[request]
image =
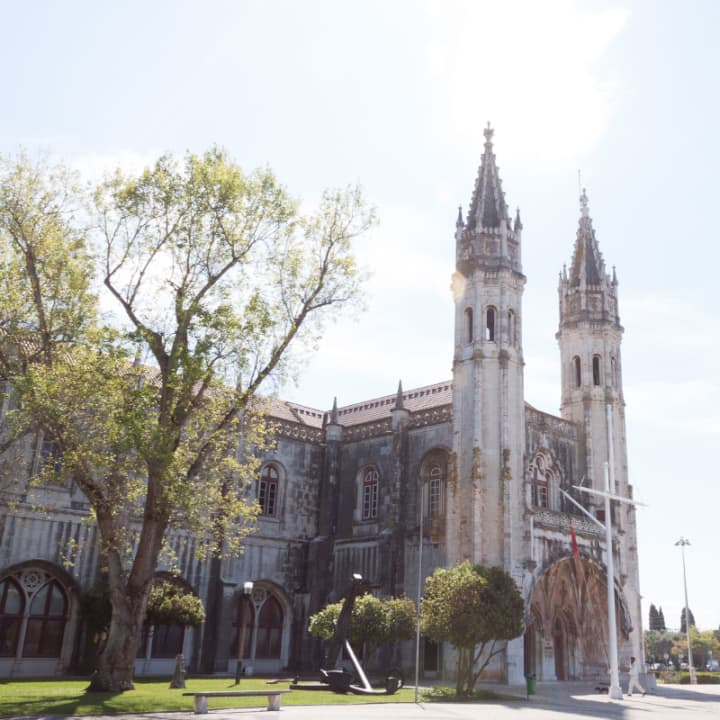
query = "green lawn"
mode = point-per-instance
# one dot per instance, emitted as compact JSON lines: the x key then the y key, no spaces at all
{"x":68,"y":697}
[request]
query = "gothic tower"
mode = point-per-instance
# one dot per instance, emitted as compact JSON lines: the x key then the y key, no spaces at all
{"x":484,"y":499}
{"x":590,"y":335}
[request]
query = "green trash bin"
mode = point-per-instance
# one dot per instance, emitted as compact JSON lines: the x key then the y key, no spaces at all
{"x":531,"y":683}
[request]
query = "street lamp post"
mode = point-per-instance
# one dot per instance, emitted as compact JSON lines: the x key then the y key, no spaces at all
{"x":419,"y":591}
{"x":682,"y":542}
{"x":244,"y":600}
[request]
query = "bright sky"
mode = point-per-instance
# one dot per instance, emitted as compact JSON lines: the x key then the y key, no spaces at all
{"x":394,"y":95}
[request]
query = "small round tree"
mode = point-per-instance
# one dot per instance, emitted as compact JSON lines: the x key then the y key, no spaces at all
{"x":373,"y":621}
{"x":474,"y":608}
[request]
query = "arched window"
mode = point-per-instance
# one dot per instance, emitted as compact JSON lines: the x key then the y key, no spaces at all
{"x":267,"y":493}
{"x":433,"y":481}
{"x":490,"y":324}
{"x":468,"y":325}
{"x":578,"y":372}
{"x":46,"y":622}
{"x":436,"y":490}
{"x":544,"y":477}
{"x":12,"y":607}
{"x":370,"y":486}
{"x":596,"y":370}
{"x":613,"y":371}
{"x":511,"y":327}
{"x":269,"y":629}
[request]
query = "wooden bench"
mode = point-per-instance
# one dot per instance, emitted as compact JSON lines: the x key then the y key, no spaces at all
{"x":201,"y":698}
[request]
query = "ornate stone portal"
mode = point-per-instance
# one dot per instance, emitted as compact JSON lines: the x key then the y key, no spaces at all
{"x":567,"y":632}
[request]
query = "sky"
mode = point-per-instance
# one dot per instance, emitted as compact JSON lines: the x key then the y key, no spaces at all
{"x":394,"y":95}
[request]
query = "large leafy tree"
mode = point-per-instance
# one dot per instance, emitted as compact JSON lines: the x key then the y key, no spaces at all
{"x":210,"y":276}
{"x":373,"y":621}
{"x":476,"y":609}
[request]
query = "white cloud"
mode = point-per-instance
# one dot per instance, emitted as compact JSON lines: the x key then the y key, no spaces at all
{"x":533,"y":68}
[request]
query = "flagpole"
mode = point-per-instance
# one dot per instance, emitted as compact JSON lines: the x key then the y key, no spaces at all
{"x":614,"y":692}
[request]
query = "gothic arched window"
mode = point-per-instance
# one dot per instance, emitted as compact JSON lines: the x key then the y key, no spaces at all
{"x":267,"y":492}
{"x":511,"y":327}
{"x":596,"y":370}
{"x":436,"y":490}
{"x":12,"y":606}
{"x":468,"y":325}
{"x":433,"y":482}
{"x":544,"y":478}
{"x":370,"y":487}
{"x":46,"y":622}
{"x":577,"y":370}
{"x":490,"y":324}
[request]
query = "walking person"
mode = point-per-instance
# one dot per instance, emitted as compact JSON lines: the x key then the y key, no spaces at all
{"x":634,"y":681}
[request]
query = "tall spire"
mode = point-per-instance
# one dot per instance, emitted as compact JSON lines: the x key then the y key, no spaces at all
{"x":399,"y":404}
{"x":587,"y":292}
{"x":488,"y":239}
{"x":487,"y":206}
{"x":588,"y":267}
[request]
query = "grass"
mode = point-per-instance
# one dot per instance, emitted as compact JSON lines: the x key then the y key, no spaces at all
{"x":68,"y":696}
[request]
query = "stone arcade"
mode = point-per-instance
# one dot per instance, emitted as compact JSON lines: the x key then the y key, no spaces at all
{"x":343,"y":489}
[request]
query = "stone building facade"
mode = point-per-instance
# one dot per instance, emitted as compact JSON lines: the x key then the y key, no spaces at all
{"x":343,"y":491}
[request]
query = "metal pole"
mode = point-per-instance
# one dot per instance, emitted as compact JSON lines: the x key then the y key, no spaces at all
{"x":419,"y":593}
{"x":682,"y":542}
{"x":244,"y":599}
{"x":614,"y":692}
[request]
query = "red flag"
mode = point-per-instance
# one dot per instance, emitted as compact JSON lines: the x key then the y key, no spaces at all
{"x":576,"y":552}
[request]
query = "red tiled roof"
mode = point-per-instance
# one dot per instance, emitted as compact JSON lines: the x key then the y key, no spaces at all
{"x":423,"y":398}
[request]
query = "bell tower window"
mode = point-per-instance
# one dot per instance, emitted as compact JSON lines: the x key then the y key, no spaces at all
{"x":596,"y":370}
{"x":468,"y":325}
{"x":578,"y":373}
{"x":490,"y":324}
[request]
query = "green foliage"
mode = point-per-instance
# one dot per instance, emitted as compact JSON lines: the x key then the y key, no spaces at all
{"x":373,"y":621}
{"x":170,"y":604}
{"x":703,"y":643}
{"x":653,"y":618}
{"x":473,"y":607}
{"x":658,"y":643}
{"x":216,"y":276}
{"x":703,"y":678}
{"x":683,"y":623}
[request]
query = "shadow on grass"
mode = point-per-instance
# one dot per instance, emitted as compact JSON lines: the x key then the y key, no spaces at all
{"x":82,"y":703}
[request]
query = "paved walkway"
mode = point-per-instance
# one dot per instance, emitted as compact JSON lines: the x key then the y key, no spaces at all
{"x":554,"y":701}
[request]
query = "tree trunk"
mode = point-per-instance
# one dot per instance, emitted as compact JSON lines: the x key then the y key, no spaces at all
{"x":116,"y":663}
{"x":128,"y":596}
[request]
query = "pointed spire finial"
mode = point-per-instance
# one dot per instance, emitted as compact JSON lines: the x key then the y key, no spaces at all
{"x":584,"y":204}
{"x":399,"y":405}
{"x":488,"y":132}
{"x":334,"y":412}
{"x":518,"y":221}
{"x":459,"y":217}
